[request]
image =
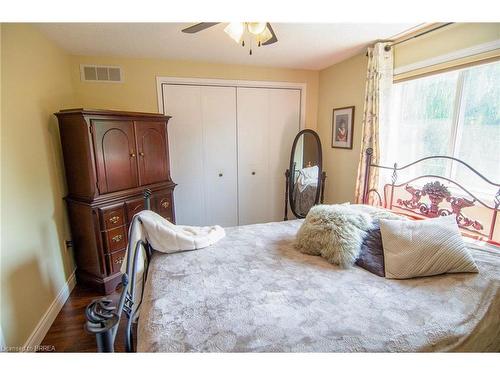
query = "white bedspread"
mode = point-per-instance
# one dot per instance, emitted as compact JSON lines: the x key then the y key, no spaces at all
{"x":164,"y":237}
{"x":253,"y":291}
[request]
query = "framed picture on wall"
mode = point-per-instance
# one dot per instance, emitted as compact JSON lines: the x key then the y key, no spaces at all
{"x":342,"y":127}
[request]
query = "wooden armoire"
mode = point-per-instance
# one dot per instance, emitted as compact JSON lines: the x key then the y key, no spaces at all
{"x":110,"y":158}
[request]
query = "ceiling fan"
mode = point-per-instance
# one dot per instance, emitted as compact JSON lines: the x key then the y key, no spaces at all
{"x":261,"y":32}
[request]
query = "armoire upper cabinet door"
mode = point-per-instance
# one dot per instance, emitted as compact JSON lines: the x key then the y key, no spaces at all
{"x":151,"y":152}
{"x":116,"y":155}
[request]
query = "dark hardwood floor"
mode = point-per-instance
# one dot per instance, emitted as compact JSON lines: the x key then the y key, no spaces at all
{"x":67,"y":333}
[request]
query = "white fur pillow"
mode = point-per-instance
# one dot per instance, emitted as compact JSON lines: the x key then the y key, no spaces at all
{"x":336,"y":231}
{"x":424,"y":248}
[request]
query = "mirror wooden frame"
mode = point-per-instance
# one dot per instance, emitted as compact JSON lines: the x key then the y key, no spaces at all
{"x":290,"y":176}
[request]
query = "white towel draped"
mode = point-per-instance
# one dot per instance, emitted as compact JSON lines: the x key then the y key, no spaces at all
{"x":166,"y":237}
{"x":307,"y":176}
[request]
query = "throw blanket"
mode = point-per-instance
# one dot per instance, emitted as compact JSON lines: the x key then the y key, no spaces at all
{"x":165,"y":237}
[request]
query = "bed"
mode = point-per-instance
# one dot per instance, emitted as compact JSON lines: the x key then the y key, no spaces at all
{"x":254,"y":292}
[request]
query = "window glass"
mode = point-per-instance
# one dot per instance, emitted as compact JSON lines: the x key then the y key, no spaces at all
{"x":478,"y":133}
{"x":421,"y":123}
{"x":456,"y":114}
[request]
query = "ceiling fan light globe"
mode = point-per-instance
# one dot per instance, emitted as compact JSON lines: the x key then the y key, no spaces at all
{"x":264,"y":36}
{"x":235,"y":30}
{"x":256,"y":28}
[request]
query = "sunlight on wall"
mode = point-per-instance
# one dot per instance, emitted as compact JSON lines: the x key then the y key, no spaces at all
{"x":341,"y":85}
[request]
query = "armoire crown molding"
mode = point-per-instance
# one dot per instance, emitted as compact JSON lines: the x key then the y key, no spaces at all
{"x":302,"y":87}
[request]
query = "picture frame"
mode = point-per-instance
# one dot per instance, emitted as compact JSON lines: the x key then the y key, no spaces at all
{"x":342,"y":127}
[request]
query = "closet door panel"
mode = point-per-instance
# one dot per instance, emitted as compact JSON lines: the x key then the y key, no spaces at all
{"x":218,"y":106}
{"x":186,"y":152}
{"x":253,"y":155}
{"x":284,"y":124}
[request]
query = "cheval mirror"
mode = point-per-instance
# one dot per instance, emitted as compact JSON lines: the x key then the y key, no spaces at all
{"x":305,"y":179}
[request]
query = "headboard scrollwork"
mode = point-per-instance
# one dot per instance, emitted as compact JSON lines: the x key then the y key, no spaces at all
{"x":434,"y":195}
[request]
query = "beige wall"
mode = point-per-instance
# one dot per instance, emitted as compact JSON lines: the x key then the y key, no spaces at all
{"x":341,"y":85}
{"x":138,"y":92}
{"x":448,"y":39}
{"x":36,"y":82}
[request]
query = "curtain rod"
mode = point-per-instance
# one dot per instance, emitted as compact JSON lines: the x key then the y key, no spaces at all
{"x":389,"y":46}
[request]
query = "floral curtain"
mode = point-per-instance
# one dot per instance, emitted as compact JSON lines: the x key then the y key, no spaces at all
{"x":375,"y":113}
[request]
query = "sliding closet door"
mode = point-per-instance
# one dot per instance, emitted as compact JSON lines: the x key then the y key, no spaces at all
{"x":218,"y":107}
{"x":253,"y":155}
{"x":268,"y":120}
{"x":186,"y":152}
{"x":202,"y":137}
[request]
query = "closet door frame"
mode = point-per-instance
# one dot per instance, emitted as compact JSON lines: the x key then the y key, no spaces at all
{"x":302,"y":87}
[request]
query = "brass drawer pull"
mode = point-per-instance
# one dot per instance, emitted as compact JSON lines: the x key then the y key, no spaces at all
{"x":141,"y":153}
{"x":169,"y":218}
{"x":117,"y":238}
{"x":119,"y":260}
{"x":114,"y":219}
{"x":165,"y":204}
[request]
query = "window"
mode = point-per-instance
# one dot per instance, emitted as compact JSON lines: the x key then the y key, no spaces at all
{"x":456,"y":114}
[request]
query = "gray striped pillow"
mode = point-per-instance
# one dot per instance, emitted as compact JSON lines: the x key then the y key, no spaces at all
{"x":424,"y":248}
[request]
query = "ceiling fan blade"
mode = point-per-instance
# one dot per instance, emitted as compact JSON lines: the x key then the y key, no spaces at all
{"x":273,"y":39}
{"x":199,"y":27}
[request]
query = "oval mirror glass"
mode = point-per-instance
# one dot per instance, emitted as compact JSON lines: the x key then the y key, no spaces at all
{"x":305,"y":172}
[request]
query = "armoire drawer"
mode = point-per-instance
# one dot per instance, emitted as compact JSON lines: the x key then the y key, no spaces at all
{"x":115,"y":239}
{"x":133,"y":207}
{"x":112,"y":216}
{"x":115,"y":261}
{"x":164,"y":206}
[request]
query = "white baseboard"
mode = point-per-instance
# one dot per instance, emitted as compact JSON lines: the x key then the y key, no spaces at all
{"x":43,"y":326}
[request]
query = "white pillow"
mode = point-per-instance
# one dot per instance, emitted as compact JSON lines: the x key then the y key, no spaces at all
{"x":424,"y":248}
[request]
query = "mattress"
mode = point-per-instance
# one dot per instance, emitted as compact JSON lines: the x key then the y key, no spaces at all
{"x":254,"y":292}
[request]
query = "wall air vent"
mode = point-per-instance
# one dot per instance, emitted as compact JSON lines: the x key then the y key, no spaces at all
{"x":101,"y":73}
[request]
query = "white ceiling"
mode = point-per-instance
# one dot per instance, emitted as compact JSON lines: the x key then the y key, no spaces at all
{"x":300,"y":45}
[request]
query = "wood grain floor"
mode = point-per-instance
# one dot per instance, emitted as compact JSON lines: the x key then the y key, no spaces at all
{"x":67,"y":333}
